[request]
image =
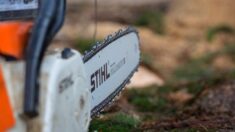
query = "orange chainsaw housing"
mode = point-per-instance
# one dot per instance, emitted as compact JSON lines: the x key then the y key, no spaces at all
{"x":13,"y":40}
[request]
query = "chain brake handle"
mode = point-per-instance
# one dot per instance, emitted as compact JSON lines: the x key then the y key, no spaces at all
{"x":50,"y":19}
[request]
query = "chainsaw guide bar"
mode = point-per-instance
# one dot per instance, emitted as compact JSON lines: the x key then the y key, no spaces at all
{"x":99,"y":46}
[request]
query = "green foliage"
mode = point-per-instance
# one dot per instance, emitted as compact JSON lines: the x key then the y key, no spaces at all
{"x":146,"y":59}
{"x":166,"y":89}
{"x":149,"y":104}
{"x":195,"y":88}
{"x":153,"y":20}
{"x":142,"y":100}
{"x":192,"y":72}
{"x":149,"y":99}
{"x":200,"y":68}
{"x":229,"y":50}
{"x":213,"y":31}
{"x":119,"y":122}
{"x":184,"y":130}
{"x":195,"y":69}
{"x":231,"y":74}
{"x":84,"y":44}
{"x":192,"y":130}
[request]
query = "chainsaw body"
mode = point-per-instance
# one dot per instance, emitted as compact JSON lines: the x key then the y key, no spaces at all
{"x":64,"y":106}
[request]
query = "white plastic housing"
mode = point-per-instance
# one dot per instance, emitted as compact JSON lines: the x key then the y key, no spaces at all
{"x":64,"y":95}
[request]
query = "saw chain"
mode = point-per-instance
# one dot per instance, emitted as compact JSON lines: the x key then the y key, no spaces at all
{"x":98,"y":46}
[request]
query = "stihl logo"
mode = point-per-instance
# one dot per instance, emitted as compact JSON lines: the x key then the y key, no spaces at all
{"x":99,"y":77}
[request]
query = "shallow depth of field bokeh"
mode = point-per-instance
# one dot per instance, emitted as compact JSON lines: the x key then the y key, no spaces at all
{"x":186,"y":81}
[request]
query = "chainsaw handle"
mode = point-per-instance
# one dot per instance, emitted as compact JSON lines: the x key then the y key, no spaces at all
{"x":49,"y":21}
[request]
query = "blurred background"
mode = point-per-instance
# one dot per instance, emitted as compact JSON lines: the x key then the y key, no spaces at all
{"x":186,"y":78}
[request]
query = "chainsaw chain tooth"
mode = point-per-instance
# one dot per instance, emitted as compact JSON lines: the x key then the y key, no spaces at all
{"x":98,"y":44}
{"x":86,"y":52}
{"x":94,"y":47}
{"x":117,"y":33}
{"x":129,"y":81}
{"x":97,"y":115}
{"x":107,"y":39}
{"x":120,"y":31}
{"x":110,"y":38}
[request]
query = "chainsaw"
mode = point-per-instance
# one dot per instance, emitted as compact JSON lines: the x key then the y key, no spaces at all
{"x":58,"y":90}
